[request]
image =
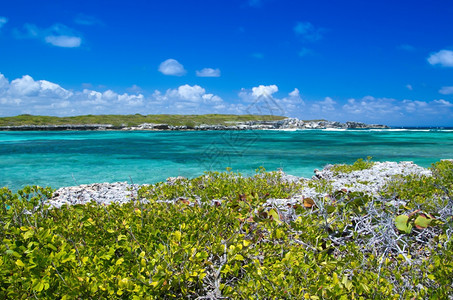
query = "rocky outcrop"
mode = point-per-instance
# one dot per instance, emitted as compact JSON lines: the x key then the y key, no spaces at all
{"x":369,"y":181}
{"x":100,"y":193}
{"x":285,"y":124}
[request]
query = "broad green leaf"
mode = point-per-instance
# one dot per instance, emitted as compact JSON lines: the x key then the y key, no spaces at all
{"x":402,"y":225}
{"x":422,"y":221}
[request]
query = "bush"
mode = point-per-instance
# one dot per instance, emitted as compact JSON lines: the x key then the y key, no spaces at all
{"x":216,"y":236}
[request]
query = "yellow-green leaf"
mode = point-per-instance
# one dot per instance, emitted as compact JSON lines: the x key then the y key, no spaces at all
{"x":274,"y":215}
{"x":422,"y":221}
{"x":20,"y":263}
{"x":401,"y":223}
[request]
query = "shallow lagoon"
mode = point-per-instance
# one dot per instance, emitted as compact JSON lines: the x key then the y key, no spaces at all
{"x":80,"y":157}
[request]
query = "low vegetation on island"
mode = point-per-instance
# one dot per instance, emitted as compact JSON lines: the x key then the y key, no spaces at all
{"x":135,"y":120}
{"x":225,"y":236}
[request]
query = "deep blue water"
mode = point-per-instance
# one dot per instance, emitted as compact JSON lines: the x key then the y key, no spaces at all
{"x":79,"y":157}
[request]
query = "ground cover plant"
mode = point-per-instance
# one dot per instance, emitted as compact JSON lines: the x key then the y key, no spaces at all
{"x":225,"y":236}
{"x":134,"y":120}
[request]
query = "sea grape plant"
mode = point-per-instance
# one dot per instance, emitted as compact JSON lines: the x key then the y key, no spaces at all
{"x":219,"y":236}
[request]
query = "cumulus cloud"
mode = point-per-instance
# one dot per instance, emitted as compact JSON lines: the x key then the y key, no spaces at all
{"x":443,"y":102}
{"x":262,"y":100}
{"x":64,"y":41}
{"x":324,"y":106}
{"x":58,"y":35}
{"x":187,"y":99}
{"x":308,"y":31}
{"x":446,"y":90}
{"x":443,"y":58}
{"x":3,"y":21}
{"x":371,"y":107}
{"x":264,"y":90}
{"x":208,"y":72}
{"x":172,"y":67}
{"x":26,"y":95}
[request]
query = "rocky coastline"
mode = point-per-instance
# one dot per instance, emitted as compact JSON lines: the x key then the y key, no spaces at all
{"x":368,"y":181}
{"x":285,"y":124}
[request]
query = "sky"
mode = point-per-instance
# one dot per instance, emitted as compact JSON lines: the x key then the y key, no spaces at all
{"x":380,"y":62}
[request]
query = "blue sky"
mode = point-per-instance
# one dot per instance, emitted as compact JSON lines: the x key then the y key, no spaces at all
{"x":372,"y":61}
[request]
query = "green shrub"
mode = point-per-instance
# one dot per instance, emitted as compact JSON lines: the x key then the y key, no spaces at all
{"x":182,"y":244}
{"x":358,"y":165}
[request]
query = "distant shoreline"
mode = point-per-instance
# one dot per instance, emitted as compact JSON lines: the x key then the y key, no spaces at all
{"x":172,"y":123}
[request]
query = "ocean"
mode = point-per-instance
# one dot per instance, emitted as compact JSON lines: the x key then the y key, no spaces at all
{"x":66,"y":158}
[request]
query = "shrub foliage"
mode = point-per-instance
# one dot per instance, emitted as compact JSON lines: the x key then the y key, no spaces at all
{"x":217,"y":236}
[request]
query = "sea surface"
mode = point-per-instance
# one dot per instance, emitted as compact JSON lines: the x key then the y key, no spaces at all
{"x":67,"y":158}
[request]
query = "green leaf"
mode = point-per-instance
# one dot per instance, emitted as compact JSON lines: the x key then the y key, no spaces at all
{"x":239,"y":257}
{"x":20,"y":263}
{"x":274,"y":215}
{"x":28,"y":234}
{"x":422,"y":221}
{"x":402,"y":225}
{"x":177,"y":235}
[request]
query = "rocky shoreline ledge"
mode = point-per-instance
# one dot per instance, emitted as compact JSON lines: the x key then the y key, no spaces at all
{"x":285,"y":124}
{"x":369,"y":181}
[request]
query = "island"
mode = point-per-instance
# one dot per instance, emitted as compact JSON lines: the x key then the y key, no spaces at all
{"x":172,"y":122}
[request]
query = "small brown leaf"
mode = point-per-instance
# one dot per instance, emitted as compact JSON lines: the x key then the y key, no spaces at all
{"x":308,"y":202}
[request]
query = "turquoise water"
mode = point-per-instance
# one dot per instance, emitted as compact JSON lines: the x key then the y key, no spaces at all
{"x":78,"y":157}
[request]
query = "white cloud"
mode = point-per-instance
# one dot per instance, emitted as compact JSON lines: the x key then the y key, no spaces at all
{"x":3,"y":21}
{"x":443,"y":58}
{"x":187,"y":93}
{"x":4,"y":83}
{"x":208,"y":72}
{"x":308,"y":31}
{"x":64,"y":41}
{"x":409,"y":87}
{"x":26,"y":95}
{"x":25,"y":86}
{"x":135,"y":89}
{"x":187,"y":99}
{"x":57,"y":35}
{"x":446,"y":90}
{"x":293,"y":103}
{"x":264,"y":90}
{"x":261,"y":100}
{"x":443,"y":102}
{"x":172,"y":67}
{"x":325,"y":106}
{"x":371,"y":107}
